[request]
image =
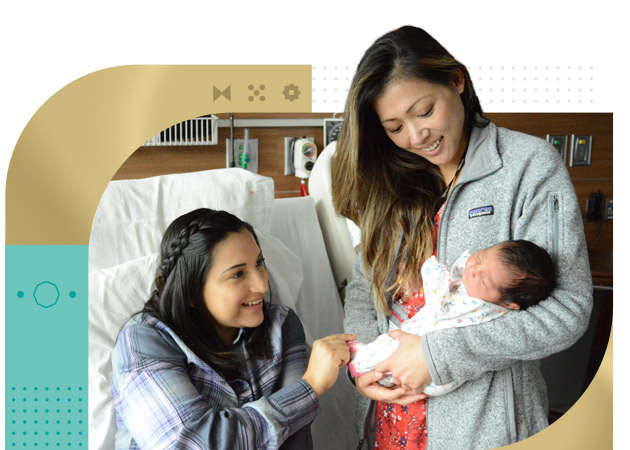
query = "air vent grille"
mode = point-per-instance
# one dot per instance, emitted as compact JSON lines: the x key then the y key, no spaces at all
{"x":198,"y":131}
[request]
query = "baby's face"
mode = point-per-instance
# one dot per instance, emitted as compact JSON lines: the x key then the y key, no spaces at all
{"x":485,"y":274}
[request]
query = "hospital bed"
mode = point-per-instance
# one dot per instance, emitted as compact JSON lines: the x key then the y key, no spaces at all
{"x":127,"y":228}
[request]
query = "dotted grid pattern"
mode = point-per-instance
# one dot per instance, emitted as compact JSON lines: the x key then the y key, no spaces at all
{"x":330,"y":86}
{"x":499,"y":87}
{"x":46,"y":417}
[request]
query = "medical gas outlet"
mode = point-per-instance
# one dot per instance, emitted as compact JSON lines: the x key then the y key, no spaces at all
{"x":304,"y":157}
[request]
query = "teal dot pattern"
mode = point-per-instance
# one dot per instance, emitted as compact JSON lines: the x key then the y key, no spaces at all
{"x":46,"y":417}
{"x":46,"y":370}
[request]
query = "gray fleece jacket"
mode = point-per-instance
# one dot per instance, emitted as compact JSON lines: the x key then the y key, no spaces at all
{"x":513,"y":186}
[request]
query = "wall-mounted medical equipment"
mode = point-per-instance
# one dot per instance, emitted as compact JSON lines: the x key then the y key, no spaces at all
{"x":300,"y":155}
{"x":242,"y":153}
{"x":332,"y":127}
{"x":594,"y":207}
{"x":197,"y":131}
{"x":304,"y":156}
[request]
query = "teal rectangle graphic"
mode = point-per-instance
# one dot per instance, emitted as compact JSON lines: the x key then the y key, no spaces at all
{"x":46,"y":346}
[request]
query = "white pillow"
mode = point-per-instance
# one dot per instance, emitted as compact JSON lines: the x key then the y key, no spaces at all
{"x":116,"y":293}
{"x":133,"y":214}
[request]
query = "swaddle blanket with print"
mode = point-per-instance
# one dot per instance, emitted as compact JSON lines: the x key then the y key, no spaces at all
{"x":447,"y":305}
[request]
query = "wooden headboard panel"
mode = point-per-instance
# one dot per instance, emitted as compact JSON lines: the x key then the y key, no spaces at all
{"x":152,"y":161}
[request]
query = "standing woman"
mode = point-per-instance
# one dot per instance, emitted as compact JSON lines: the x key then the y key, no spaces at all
{"x":423,"y":172}
{"x":208,"y":363}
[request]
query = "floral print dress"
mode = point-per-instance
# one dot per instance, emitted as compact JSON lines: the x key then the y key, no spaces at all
{"x":405,"y":427}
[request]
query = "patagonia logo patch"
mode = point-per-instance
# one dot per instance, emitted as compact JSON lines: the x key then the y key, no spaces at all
{"x":482,"y":211}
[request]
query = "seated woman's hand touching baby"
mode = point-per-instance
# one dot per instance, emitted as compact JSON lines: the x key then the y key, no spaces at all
{"x":327,"y":356}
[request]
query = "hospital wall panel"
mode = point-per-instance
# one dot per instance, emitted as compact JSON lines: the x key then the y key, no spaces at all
{"x":586,"y":179}
{"x":151,"y":161}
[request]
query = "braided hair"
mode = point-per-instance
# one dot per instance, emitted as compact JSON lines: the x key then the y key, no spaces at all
{"x":186,"y":254}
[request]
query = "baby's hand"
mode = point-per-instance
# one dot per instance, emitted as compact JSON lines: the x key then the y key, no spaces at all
{"x":407,"y":364}
{"x":368,"y":386}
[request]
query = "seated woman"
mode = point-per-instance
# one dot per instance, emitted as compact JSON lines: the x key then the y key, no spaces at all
{"x":208,"y":363}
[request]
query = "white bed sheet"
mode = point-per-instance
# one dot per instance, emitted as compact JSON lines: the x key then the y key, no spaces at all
{"x":294,"y":221}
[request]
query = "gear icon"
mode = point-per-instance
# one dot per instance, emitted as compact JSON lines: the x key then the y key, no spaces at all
{"x":291,"y":92}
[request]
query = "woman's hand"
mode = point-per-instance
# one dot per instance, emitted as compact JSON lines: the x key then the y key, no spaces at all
{"x":407,"y":364}
{"x":328,"y":355}
{"x":367,"y":385}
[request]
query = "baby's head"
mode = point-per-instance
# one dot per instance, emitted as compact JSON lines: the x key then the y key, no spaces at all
{"x":513,"y":274}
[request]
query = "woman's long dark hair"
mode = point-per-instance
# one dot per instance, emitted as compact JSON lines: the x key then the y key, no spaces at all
{"x":186,"y":254}
{"x":381,"y":187}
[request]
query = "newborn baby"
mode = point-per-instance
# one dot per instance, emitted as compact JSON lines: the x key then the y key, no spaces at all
{"x":479,"y":287}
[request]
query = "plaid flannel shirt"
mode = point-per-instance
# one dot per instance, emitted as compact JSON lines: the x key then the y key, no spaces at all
{"x":167,"y":397}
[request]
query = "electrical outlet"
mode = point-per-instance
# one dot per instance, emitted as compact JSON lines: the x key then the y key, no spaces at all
{"x":581,"y":146}
{"x":560,"y":143}
{"x":608,"y":213}
{"x":289,"y":168}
